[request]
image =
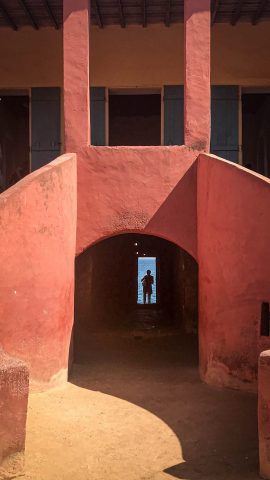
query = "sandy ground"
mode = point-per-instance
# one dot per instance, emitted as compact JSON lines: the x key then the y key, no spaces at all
{"x":135,"y":409}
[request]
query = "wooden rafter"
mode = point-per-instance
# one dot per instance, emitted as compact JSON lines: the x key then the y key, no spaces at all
{"x":257,"y":15}
{"x":215,"y":6}
{"x":7,"y":17}
{"x":98,"y":14}
{"x":168,"y":13}
{"x":237,"y":12}
{"x":50,"y":13}
{"x":144,"y":14}
{"x":29,"y":14}
{"x":121,"y":14}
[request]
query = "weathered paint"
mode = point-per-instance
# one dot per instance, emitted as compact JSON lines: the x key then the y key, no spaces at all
{"x":14,"y":386}
{"x":31,"y":58}
{"x":234,"y":270}
{"x":37,"y":248}
{"x":197,"y":74}
{"x":146,"y":189}
{"x":264,"y":413}
{"x":239,"y":54}
{"x":76,"y":74}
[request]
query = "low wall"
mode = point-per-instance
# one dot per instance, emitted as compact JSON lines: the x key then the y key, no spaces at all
{"x":37,"y":247}
{"x":234,"y":270}
{"x":146,"y":189}
{"x":14,"y":386}
{"x":264,"y":413}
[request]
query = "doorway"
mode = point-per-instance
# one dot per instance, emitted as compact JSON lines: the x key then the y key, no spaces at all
{"x":147,"y":267}
{"x":256,"y":132}
{"x":134,"y":117}
{"x":14,"y":139}
{"x":106,"y":291}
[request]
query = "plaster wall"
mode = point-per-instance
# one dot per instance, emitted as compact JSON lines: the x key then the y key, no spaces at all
{"x":155,"y":56}
{"x":30,"y":58}
{"x":234,"y":270}
{"x":135,"y":56}
{"x":264,"y":414}
{"x":37,"y":245}
{"x":14,"y":386}
{"x":144,"y":189}
{"x":240,"y":54}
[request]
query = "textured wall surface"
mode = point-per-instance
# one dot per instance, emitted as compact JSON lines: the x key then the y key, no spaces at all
{"x":76,"y":74}
{"x":37,"y":245}
{"x":31,"y":58}
{"x":145,"y":189}
{"x":129,"y":57}
{"x":14,"y":386}
{"x":264,"y":413}
{"x":197,"y":74}
{"x":234,"y":270}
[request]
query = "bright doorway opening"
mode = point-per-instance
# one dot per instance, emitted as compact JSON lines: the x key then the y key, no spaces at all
{"x":147,"y":280}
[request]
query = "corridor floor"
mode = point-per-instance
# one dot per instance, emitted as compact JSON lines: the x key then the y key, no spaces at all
{"x":135,"y":409}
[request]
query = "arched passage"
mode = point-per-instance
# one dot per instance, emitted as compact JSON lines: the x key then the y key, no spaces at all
{"x":106,"y":293}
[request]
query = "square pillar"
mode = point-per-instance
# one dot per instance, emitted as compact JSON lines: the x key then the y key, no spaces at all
{"x":14,"y":389}
{"x":76,"y":17}
{"x":197,"y":104}
{"x":264,"y":413}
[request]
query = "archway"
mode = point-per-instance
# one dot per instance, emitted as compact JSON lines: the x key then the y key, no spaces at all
{"x":106,"y":295}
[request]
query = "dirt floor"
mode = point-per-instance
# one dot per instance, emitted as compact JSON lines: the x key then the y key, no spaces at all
{"x":135,"y":409}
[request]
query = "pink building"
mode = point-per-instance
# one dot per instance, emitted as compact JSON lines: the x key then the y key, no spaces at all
{"x":141,"y":93}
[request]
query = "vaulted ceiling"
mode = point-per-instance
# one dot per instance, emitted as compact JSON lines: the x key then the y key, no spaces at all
{"x":40,"y":13}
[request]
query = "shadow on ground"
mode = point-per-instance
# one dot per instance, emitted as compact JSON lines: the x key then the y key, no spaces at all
{"x":217,"y":430}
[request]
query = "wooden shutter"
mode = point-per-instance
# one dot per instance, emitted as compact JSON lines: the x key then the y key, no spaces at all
{"x":224,"y":122}
{"x":173,"y":115}
{"x":45,"y":126}
{"x":97,"y":99}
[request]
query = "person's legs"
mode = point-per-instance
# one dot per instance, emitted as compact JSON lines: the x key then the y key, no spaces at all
{"x":144,"y":296}
{"x":149,"y":298}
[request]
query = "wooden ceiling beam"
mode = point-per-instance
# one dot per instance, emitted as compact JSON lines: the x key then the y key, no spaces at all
{"x":121,"y":14}
{"x":144,"y":14}
{"x":7,"y":17}
{"x":29,"y":14}
{"x":237,"y":12}
{"x":50,"y":13}
{"x":257,"y":15}
{"x":215,"y":6}
{"x":98,"y":14}
{"x":168,"y":13}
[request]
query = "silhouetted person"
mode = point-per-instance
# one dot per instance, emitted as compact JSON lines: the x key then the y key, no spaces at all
{"x":147,"y":282}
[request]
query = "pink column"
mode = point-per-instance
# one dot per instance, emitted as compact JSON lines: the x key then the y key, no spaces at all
{"x":76,"y":74}
{"x":197,"y":74}
{"x":264,"y":413}
{"x":14,"y":387}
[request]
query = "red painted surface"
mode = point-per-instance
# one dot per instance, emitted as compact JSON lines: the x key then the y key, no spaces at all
{"x":76,"y":74}
{"x":145,"y":189}
{"x":264,"y":414}
{"x":234,"y":270}
{"x":197,"y":74}
{"x":14,"y":386}
{"x":37,"y":247}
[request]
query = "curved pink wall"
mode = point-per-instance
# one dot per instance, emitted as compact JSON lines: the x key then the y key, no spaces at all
{"x":37,"y":247}
{"x":146,"y":189}
{"x":234,"y":270}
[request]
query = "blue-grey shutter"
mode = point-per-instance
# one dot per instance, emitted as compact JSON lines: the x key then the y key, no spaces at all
{"x":45,"y":125}
{"x":173,"y":115}
{"x":224,"y":122}
{"x":97,"y":99}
